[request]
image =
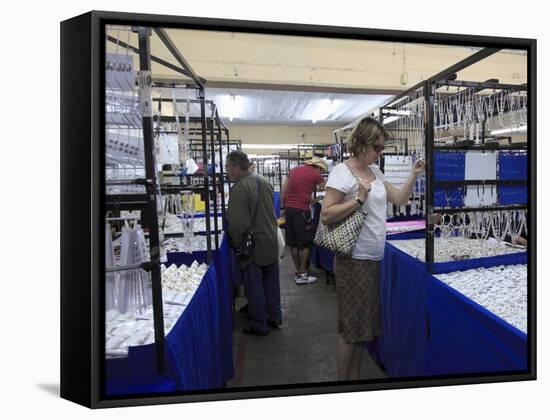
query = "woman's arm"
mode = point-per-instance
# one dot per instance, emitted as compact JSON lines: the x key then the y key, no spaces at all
{"x":401,"y":196}
{"x":333,"y":210}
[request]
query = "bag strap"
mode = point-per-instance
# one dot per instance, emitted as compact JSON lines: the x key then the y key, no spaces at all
{"x":257,"y":202}
{"x":351,"y":170}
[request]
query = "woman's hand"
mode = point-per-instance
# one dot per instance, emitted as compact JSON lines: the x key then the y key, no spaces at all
{"x":364,"y":188}
{"x":418,"y":167}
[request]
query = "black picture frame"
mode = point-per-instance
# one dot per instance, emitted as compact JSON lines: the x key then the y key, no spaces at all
{"x":82,"y":186}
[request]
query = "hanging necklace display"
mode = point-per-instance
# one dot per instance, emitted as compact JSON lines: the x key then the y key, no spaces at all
{"x":185,"y":151}
{"x":111,"y":279}
{"x":480,"y":108}
{"x":523,"y":222}
{"x":464,"y":226}
{"x":183,"y":136}
{"x":134,"y":290}
{"x":523,"y":113}
{"x":486,"y":225}
{"x":489,"y":106}
{"x":507,"y":231}
{"x":495,"y":224}
{"x":187,"y":217}
{"x":501,"y":104}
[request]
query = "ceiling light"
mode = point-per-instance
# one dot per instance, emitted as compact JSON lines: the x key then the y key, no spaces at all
{"x":268,"y":146}
{"x":231,"y":106}
{"x":324,"y":108}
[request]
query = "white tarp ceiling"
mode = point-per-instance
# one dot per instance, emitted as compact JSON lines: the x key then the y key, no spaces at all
{"x":278,"y":107}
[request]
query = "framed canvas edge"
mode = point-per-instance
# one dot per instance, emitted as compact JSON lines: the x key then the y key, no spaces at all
{"x":100,"y":18}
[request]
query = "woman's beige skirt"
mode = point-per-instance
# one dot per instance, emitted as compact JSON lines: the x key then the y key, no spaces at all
{"x":358,"y":293}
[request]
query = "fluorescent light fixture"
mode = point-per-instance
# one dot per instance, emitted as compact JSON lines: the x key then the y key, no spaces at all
{"x":269,"y":146}
{"x":231,"y":106}
{"x":520,"y":129}
{"x":253,"y":156}
{"x":324,"y":108}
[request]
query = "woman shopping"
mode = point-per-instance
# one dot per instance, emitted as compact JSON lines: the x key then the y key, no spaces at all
{"x":353,"y":185}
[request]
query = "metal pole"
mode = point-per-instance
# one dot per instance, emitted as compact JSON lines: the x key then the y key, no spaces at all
{"x":153,"y":58}
{"x":429,"y":172}
{"x":150,"y":216}
{"x":214,"y":181}
{"x":280,"y":174}
{"x":205,"y":176}
{"x":222,"y":163}
{"x":163,"y":35}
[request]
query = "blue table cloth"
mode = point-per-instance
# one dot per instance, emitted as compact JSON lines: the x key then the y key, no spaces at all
{"x":431,"y":329}
{"x":199,"y":348}
{"x":277,"y":203}
{"x":403,"y":302}
{"x":465,"y":338}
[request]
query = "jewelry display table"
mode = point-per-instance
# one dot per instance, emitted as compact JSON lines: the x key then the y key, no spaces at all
{"x":199,"y":347}
{"x":430,"y":328}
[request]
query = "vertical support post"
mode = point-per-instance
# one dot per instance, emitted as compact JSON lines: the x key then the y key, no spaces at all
{"x":205,"y":176}
{"x":214,"y":180}
{"x":381,"y":159}
{"x":429,"y":92}
{"x":150,"y":218}
{"x":222,"y":163}
{"x":280,"y":174}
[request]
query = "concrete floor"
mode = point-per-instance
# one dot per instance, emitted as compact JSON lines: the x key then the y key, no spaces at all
{"x":304,"y":349}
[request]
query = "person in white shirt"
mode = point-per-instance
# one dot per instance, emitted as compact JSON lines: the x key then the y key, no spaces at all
{"x":358,"y":183}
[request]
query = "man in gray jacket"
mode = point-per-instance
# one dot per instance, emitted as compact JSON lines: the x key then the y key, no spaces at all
{"x":251,"y":210}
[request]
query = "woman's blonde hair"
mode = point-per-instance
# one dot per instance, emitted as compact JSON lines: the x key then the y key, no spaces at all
{"x":366,"y":132}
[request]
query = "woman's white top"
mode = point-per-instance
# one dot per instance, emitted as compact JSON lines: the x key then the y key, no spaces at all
{"x":372,"y":239}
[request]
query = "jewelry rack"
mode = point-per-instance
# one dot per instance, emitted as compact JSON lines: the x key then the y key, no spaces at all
{"x":213,"y":177}
{"x":147,"y":202}
{"x":503,"y":101}
{"x":272,"y":171}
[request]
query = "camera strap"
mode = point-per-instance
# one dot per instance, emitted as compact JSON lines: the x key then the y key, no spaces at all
{"x":257,"y":202}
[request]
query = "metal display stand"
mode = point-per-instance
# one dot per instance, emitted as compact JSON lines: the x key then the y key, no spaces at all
{"x":146,"y":203}
{"x":205,"y":127}
{"x":206,"y":146}
{"x":426,"y":91}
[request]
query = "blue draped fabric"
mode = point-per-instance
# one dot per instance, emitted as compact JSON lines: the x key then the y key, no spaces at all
{"x":466,"y":338}
{"x":199,"y":347}
{"x":314,"y":256}
{"x":431,"y":329}
{"x":184,"y":258}
{"x":325,"y":259}
{"x":277,"y":203}
{"x":226,"y":282}
{"x":486,"y":262}
{"x":403,"y":303}
{"x":193,"y":344}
